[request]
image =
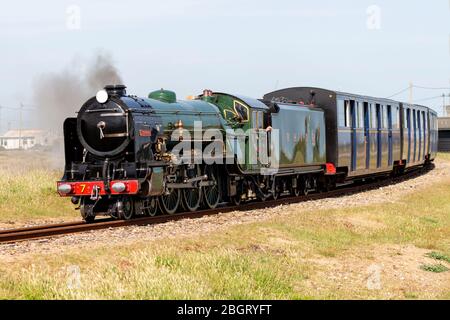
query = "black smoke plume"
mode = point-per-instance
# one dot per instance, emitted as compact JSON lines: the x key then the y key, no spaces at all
{"x":59,"y":95}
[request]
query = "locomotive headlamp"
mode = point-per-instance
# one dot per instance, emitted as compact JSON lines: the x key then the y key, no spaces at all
{"x":119,"y":187}
{"x":179,"y":124}
{"x":102,"y":96}
{"x":64,"y":188}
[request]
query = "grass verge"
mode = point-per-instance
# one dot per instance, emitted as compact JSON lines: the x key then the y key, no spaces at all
{"x":377,"y":251}
{"x":326,"y":254}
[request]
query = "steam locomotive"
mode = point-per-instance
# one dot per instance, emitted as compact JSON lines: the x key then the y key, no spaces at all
{"x":123,"y":156}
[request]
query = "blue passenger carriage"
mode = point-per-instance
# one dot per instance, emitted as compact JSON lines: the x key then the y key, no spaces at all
{"x":367,"y":136}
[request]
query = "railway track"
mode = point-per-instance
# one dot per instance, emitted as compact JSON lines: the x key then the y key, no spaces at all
{"x":51,"y":230}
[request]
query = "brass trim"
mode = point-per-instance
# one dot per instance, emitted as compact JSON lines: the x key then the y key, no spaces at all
{"x":243,"y":105}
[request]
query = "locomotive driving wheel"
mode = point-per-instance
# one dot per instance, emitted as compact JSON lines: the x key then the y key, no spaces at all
{"x":170,"y":202}
{"x":192,"y":197}
{"x":86,"y":210}
{"x":127,"y":208}
{"x":150,"y":206}
{"x":84,"y":214}
{"x":212,"y":191}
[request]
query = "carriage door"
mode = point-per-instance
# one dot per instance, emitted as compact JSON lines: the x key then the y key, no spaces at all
{"x":389,"y":118}
{"x":379,"y":140}
{"x":419,"y":135}
{"x":425,"y":134}
{"x":414,"y":127}
{"x":408,"y":123}
{"x":366,"y":133}
{"x":353,"y":139}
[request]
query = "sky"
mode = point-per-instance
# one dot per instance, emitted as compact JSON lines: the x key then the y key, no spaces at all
{"x":249,"y":47}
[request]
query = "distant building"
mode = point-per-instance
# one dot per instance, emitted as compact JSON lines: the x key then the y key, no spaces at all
{"x":444,"y":133}
{"x":447,"y":111}
{"x":26,"y":139}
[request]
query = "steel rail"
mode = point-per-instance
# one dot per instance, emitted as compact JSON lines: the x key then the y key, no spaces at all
{"x":51,"y":230}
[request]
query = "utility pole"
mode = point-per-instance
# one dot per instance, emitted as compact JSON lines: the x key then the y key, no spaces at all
{"x":20,"y":125}
{"x":444,"y":109}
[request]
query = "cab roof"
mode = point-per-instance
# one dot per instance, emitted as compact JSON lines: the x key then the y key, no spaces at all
{"x":251,"y":102}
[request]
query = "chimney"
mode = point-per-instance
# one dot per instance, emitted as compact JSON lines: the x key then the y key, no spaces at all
{"x":116,"y":89}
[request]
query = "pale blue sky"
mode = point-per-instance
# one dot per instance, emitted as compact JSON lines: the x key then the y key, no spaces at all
{"x":248,"y":46}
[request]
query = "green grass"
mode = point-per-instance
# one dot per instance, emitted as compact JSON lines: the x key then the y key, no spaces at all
{"x":439,"y":256}
{"x":314,"y":254}
{"x":445,"y":156}
{"x":32,"y":196}
{"x":149,"y":274}
{"x":436,"y":268}
{"x":276,"y":259}
{"x":28,"y":188}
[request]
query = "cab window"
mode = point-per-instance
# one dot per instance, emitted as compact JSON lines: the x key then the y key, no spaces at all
{"x":258,"y":119}
{"x":229,"y":115}
{"x":241,"y":110}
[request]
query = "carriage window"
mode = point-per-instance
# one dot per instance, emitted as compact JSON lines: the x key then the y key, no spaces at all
{"x":417,"y":116}
{"x":366,"y":113}
{"x":257,"y":119}
{"x":385,"y":117}
{"x":409,"y":125}
{"x":241,"y":110}
{"x":347,"y":114}
{"x":419,"y":126}
{"x":389,"y":111}
{"x":406,"y":122}
{"x":260,"y":120}
{"x":396,"y":119}
{"x":359,"y":108}
{"x":381,"y":116}
{"x":373,"y":116}
{"x":341,"y":113}
{"x":424,"y":121}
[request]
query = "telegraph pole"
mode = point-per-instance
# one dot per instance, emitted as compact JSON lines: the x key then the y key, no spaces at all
{"x":20,"y":125}
{"x":444,"y":109}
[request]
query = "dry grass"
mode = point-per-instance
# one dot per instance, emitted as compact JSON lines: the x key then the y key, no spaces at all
{"x":324,"y":254}
{"x":28,"y":187}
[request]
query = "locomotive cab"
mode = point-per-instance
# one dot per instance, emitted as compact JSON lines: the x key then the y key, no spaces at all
{"x":249,"y":120}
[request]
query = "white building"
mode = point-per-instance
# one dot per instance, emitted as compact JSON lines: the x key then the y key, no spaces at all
{"x":26,"y":139}
{"x":447,"y":111}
